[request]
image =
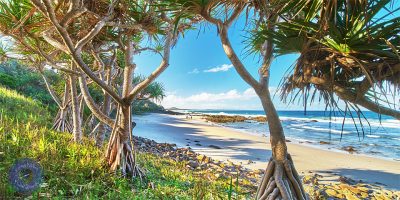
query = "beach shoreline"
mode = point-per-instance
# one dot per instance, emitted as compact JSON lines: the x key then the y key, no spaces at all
{"x":252,"y":151}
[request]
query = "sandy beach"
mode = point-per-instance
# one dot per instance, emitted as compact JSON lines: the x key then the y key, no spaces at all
{"x":252,"y":151}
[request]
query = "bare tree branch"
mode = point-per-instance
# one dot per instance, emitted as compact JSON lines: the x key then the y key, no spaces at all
{"x":163,"y":65}
{"x":53,"y":42}
{"x":50,"y":89}
{"x":92,"y":105}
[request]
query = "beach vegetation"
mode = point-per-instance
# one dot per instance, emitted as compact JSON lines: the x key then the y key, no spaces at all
{"x":77,"y":170}
{"x":95,"y":43}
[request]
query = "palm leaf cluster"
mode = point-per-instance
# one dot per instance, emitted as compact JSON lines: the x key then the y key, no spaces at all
{"x":347,"y":49}
{"x":154,"y":91}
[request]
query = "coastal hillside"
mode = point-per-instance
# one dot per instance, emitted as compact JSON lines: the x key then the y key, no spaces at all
{"x":77,"y":169}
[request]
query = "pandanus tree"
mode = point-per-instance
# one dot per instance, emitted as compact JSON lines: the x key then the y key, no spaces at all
{"x":349,"y":51}
{"x":281,"y":180}
{"x":74,"y":27}
{"x":21,"y":21}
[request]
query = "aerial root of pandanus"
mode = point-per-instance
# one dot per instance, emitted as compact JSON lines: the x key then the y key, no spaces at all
{"x":62,"y":122}
{"x":281,"y":181}
{"x":121,"y":155}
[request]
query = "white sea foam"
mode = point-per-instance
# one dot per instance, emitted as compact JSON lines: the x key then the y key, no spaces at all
{"x":373,"y":136}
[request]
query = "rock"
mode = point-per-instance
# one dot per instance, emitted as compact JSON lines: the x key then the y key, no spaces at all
{"x":350,"y":188}
{"x":349,"y":149}
{"x":350,"y":196}
{"x":288,"y":140}
{"x":331,"y":193}
{"x":214,"y":146}
{"x":344,"y":179}
{"x":250,"y":162}
{"x":364,"y":195}
{"x":323,"y":142}
{"x":311,"y":179}
{"x":201,"y":158}
{"x":193,"y":164}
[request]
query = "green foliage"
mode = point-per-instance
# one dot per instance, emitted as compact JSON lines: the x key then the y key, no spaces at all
{"x":30,"y":83}
{"x":143,"y":106}
{"x":19,"y":109}
{"x":7,"y":80}
{"x":154,"y":91}
{"x":73,"y":170}
{"x":348,"y":49}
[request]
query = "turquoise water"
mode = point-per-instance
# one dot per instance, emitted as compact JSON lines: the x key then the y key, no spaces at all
{"x":374,"y":135}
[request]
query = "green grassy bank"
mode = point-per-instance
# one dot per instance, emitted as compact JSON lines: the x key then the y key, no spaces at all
{"x":76,"y":171}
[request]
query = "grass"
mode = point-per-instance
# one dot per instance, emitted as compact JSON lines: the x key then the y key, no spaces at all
{"x":72,"y":170}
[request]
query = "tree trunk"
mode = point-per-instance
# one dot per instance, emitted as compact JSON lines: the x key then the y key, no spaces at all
{"x":76,"y":114}
{"x":120,"y":151}
{"x":61,"y":122}
{"x":105,"y":109}
{"x":281,"y":180}
{"x":102,"y":127}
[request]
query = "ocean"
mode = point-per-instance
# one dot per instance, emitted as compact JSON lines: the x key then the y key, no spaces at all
{"x":378,"y":136}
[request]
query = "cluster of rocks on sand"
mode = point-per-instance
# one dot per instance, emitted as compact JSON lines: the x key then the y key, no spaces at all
{"x":342,"y":188}
{"x":232,"y":118}
{"x":346,"y":188}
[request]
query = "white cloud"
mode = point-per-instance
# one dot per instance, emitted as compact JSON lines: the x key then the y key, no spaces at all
{"x":222,"y":68}
{"x":194,"y":71}
{"x":232,"y":99}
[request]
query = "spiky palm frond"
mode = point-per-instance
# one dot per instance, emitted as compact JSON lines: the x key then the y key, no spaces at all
{"x":345,"y":49}
{"x":18,"y":17}
{"x":154,"y":91}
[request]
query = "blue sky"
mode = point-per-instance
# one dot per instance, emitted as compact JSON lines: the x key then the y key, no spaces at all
{"x":200,"y":76}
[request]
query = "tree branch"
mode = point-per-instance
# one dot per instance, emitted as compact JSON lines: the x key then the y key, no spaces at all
{"x":234,"y":15}
{"x":92,"y":105}
{"x":235,"y":60}
{"x":71,"y":15}
{"x":229,"y":51}
{"x":163,"y":65}
{"x":50,"y":89}
{"x":349,"y":96}
{"x":71,"y":47}
{"x":53,"y":42}
{"x":96,"y":29}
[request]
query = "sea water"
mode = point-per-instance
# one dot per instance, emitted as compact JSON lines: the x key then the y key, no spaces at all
{"x":371,"y":134}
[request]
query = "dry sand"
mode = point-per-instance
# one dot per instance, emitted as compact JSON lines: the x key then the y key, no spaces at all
{"x":240,"y":147}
